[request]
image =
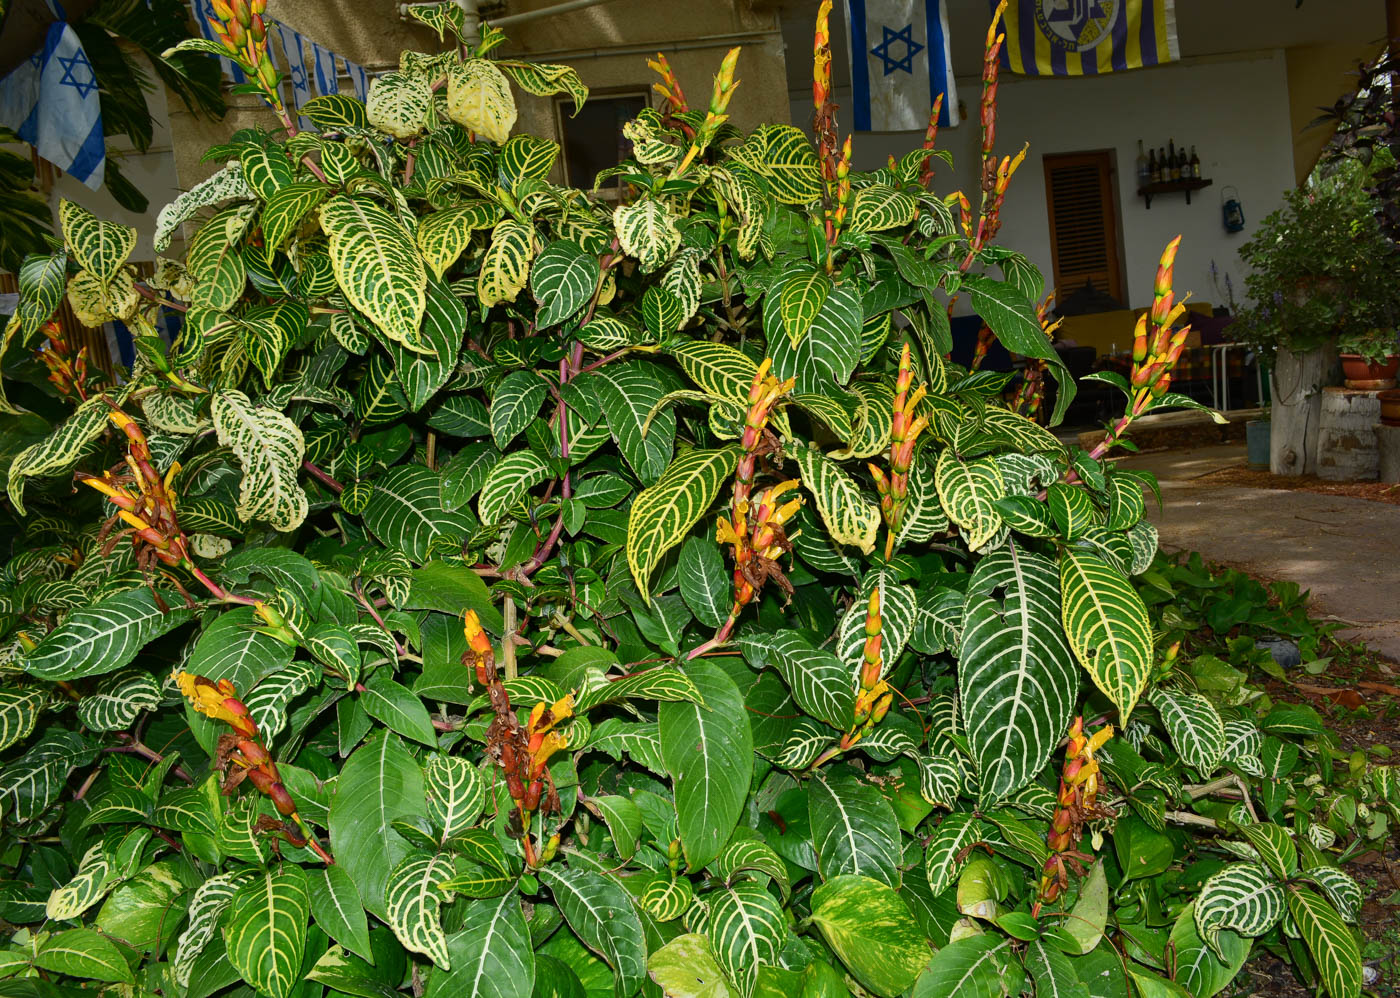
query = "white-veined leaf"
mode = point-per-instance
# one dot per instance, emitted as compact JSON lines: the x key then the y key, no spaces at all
{"x":413,"y":905}
{"x":265,"y":930}
{"x":820,"y":682}
{"x":210,"y":900}
{"x":104,"y":637}
{"x":969,"y":491}
{"x":662,"y":514}
{"x":1197,"y":732}
{"x":1331,"y":943}
{"x":854,"y":829}
{"x":377,"y":267}
{"x":1243,"y":897}
{"x":746,"y":929}
{"x":850,"y":518}
{"x":118,"y":699}
{"x":512,"y":477}
{"x":270,"y":448}
{"x":1107,"y":626}
{"x":601,"y":914}
{"x":479,"y":98}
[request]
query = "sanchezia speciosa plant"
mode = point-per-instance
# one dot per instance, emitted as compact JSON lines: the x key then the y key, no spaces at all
{"x":496,"y":589}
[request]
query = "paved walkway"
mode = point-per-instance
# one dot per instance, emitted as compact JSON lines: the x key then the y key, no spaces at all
{"x":1347,"y":551}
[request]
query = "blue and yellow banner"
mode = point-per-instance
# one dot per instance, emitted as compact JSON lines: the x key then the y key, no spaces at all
{"x":1087,"y":37}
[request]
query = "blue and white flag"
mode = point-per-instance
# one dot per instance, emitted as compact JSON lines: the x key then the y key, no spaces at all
{"x":359,"y":79}
{"x":326,"y":81}
{"x":51,"y":102}
{"x":295,"y":54}
{"x":900,"y":63}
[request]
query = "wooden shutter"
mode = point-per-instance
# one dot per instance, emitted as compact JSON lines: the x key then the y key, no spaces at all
{"x":1083,"y":222}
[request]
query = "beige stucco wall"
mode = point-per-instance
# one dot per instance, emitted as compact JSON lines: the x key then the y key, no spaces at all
{"x":608,"y":45}
{"x":1317,"y":76}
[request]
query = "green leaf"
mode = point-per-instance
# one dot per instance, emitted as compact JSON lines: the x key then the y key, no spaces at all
{"x":827,"y":355}
{"x":1274,"y":846}
{"x":1072,"y":509}
{"x":97,"y":873}
{"x":270,"y":449}
{"x":377,"y":267}
{"x":1087,"y":919}
{"x":629,"y":392}
{"x":19,"y":712}
{"x":820,"y":682}
{"x":512,"y":477}
{"x":514,"y":403}
{"x":789,"y":164}
{"x":84,"y":953}
{"x":1015,"y":672}
{"x":269,"y":331}
{"x":719,"y":369}
{"x":800,"y":299}
{"x":709,"y":754}
{"x":1052,"y":972}
{"x":1198,"y":968}
{"x":601,"y":914}
{"x":399,"y":103}
{"x":380,"y":783}
{"x":662,"y":684}
{"x":105,"y":636}
{"x":214,"y":259}
{"x":265,"y":930}
{"x":226,"y":185}
{"x":624,"y":820}
{"x":1010,"y":314}
{"x":336,"y":907}
{"x":854,"y":829}
{"x":1107,"y":626}
{"x":850,"y":518}
{"x":872,"y":930}
{"x":413,"y":903}
{"x":230,"y":648}
{"x":491,"y":954}
{"x":948,"y":849}
{"x":397,"y":708}
{"x":451,"y":589}
{"x":265,"y":170}
{"x":1244,"y":897}
{"x":1195,"y":726}
{"x":662,"y":514}
{"x":686,"y":968}
{"x":563,"y":278}
{"x":969,"y":491}
{"x":206,"y":908}
{"x":647,"y":229}
{"x":444,"y":321}
{"x":336,"y":112}
{"x":99,"y":247}
{"x":456,"y":794}
{"x":1331,"y":943}
{"x":506,"y":266}
{"x":704,"y":585}
{"x":971,"y":967}
{"x":59,"y":451}
{"x":746,"y":929}
{"x":1339,"y":888}
{"x":879,"y":207}
{"x":406,"y":512}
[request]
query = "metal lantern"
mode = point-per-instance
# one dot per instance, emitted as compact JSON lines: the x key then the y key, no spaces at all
{"x":1232,"y":212}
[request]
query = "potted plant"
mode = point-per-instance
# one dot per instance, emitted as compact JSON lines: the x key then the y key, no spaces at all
{"x":1319,"y":273}
{"x":1369,"y":359}
{"x":1257,"y":434}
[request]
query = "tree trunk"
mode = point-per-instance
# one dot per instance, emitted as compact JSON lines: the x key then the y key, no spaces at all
{"x":1297,"y":382}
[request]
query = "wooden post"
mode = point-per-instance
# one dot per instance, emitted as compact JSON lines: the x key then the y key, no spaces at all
{"x":1297,"y":382}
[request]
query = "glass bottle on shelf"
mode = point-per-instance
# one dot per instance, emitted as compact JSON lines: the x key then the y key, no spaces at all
{"x":1144,"y":175}
{"x":1195,"y":164}
{"x":1173,"y":167}
{"x":1154,"y":169}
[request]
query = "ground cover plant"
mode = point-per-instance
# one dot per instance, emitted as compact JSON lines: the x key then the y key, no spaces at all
{"x":493,"y":591}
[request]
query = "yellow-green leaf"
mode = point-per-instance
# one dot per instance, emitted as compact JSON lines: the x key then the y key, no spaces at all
{"x":506,"y":266}
{"x":1107,"y":626}
{"x":400,"y":104}
{"x":850,"y":518}
{"x":663,"y":513}
{"x":479,"y":98}
{"x":378,"y":267}
{"x":99,"y":247}
{"x":969,"y":491}
{"x":444,"y":234}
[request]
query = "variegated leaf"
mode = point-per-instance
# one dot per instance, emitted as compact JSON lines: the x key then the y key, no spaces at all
{"x":265,"y":929}
{"x":100,"y":247}
{"x":512,"y":477}
{"x":850,"y":518}
{"x":377,"y":267}
{"x":19,"y":712}
{"x":209,"y":902}
{"x":820,"y":682}
{"x":1107,"y":626}
{"x":506,"y":266}
{"x":746,"y":929}
{"x":97,"y":874}
{"x":105,"y":636}
{"x":1340,"y":888}
{"x":268,"y":701}
{"x":948,"y":849}
{"x":1243,"y":897}
{"x":970,"y":490}
{"x":1331,"y":943}
{"x":400,"y":104}
{"x":443,"y":235}
{"x":648,"y":230}
{"x":456,"y":793}
{"x":899,"y":609}
{"x":118,"y":699}
{"x":226,"y":185}
{"x":479,"y":98}
{"x":270,"y":448}
{"x":413,"y":905}
{"x":854,"y":829}
{"x":1195,"y":727}
{"x":662,"y":514}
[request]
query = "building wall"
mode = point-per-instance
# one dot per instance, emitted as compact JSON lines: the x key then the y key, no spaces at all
{"x":1317,"y":76}
{"x":1235,"y":110}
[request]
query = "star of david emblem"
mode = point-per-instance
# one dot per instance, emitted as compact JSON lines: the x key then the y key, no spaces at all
{"x":911,"y":49}
{"x":78,"y":74}
{"x":299,"y":77}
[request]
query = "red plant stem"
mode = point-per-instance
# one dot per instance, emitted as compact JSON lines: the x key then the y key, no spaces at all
{"x":324,"y":478}
{"x":610,"y":258}
{"x":721,"y":636}
{"x":146,"y":292}
{"x":604,"y":360}
{"x":216,"y":590}
{"x":137,"y":747}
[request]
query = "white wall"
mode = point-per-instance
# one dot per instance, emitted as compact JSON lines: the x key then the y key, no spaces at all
{"x":1233,"y":108}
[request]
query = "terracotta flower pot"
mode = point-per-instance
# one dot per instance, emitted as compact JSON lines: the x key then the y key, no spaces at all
{"x":1368,"y":377}
{"x":1390,"y":407}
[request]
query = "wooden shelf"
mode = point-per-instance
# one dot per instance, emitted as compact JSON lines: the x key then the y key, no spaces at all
{"x":1171,"y":187}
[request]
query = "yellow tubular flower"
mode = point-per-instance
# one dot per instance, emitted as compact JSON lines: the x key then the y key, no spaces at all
{"x":214,"y":700}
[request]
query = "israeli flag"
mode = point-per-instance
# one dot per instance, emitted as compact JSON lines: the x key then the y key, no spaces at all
{"x":51,"y":102}
{"x":359,"y":79}
{"x":326,"y":81}
{"x":295,"y":55}
{"x":900,"y":63}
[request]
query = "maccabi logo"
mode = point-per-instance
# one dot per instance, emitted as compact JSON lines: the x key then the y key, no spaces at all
{"x":1077,"y":25}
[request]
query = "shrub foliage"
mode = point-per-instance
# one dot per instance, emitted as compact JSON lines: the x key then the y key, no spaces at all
{"x":494,"y":590}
